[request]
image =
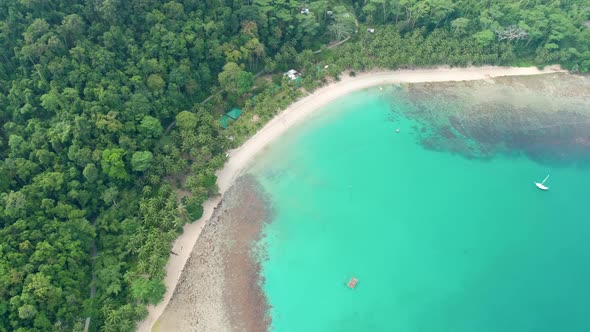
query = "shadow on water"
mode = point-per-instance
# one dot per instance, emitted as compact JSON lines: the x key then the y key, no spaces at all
{"x":546,"y":118}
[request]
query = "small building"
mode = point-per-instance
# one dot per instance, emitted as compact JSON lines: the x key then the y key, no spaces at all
{"x":230,"y":117}
{"x":292,"y":74}
{"x":371,"y":30}
{"x":234,"y":113}
{"x":304,"y":11}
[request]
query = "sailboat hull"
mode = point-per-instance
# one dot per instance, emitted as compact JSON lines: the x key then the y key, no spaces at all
{"x":541,"y":186}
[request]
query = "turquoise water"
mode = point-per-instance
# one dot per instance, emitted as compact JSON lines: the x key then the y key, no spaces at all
{"x":438,"y":242}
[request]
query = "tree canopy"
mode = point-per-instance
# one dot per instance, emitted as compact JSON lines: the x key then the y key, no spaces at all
{"x":88,"y":207}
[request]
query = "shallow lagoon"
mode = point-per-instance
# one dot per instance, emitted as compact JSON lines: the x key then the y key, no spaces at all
{"x":440,"y":240}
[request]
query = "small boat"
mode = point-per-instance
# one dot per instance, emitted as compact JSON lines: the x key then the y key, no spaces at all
{"x":542,"y":184}
{"x":352,"y":283}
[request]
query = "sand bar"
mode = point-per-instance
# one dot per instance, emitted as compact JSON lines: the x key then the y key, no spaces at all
{"x":295,"y":113}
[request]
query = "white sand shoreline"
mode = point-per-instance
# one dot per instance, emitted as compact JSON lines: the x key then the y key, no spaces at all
{"x":295,"y":113}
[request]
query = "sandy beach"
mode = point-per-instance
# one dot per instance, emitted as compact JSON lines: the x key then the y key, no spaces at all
{"x":297,"y":112}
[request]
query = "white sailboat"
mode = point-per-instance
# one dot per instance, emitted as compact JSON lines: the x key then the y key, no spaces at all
{"x":542,"y":184}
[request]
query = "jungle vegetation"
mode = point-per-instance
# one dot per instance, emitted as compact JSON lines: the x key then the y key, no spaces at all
{"x":109,"y":109}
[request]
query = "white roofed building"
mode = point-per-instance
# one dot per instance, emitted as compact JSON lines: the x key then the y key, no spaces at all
{"x":292,"y":74}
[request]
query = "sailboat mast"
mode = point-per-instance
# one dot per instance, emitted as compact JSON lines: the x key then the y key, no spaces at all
{"x":545,"y":179}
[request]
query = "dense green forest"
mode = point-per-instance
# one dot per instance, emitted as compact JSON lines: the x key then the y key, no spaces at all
{"x":89,"y":176}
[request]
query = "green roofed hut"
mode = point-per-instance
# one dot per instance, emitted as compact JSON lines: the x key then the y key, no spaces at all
{"x":234,"y":113}
{"x":230,"y":117}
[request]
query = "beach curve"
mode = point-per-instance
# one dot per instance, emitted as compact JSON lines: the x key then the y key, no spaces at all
{"x":295,"y":113}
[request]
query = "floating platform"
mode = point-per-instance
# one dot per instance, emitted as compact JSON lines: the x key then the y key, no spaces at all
{"x":352,"y":282}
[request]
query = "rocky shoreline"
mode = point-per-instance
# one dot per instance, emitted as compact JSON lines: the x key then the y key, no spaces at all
{"x":220,"y":286}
